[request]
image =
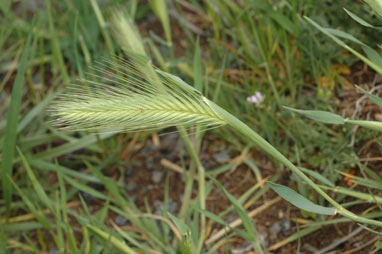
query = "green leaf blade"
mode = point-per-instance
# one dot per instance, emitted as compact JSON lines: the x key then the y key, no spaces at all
{"x":319,"y":177}
{"x":374,"y":98}
{"x":299,"y":201}
{"x":318,"y":115}
{"x":9,"y":144}
{"x":358,"y":19}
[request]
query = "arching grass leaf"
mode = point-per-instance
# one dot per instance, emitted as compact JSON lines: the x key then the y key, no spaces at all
{"x":299,"y":201}
{"x":374,"y":98}
{"x":9,"y":144}
{"x":321,"y":116}
{"x":319,"y":177}
{"x":358,"y":19}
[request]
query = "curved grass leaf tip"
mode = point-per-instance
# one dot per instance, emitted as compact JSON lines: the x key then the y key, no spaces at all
{"x":132,"y":95}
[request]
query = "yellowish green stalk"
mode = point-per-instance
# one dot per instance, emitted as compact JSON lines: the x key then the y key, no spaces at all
{"x":264,"y":145}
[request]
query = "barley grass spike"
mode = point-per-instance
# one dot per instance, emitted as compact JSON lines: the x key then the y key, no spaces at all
{"x":125,"y":99}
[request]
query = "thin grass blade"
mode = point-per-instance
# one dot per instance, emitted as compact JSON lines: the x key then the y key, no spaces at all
{"x":300,"y":201}
{"x":113,"y":240}
{"x":318,"y":115}
{"x":372,"y":97}
{"x":160,"y":9}
{"x":358,"y":19}
{"x":247,"y":222}
{"x":9,"y":145}
{"x":318,"y":176}
{"x":35,"y":183}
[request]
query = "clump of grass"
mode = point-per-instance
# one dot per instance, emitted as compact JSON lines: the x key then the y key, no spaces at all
{"x":143,"y":100}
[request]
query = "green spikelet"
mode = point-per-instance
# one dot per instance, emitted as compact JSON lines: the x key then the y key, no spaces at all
{"x":376,"y":5}
{"x":125,"y":100}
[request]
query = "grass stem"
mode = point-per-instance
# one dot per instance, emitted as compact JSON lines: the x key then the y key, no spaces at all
{"x":264,"y":145}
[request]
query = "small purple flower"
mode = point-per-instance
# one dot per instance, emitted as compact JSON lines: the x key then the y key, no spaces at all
{"x":255,"y":99}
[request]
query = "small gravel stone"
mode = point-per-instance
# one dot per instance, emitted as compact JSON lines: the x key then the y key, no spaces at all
{"x":168,"y":154}
{"x":87,"y":197}
{"x":231,"y":217}
{"x":120,"y":220}
{"x":150,"y":165}
{"x":169,"y":140}
{"x":358,"y":244}
{"x":131,"y":187}
{"x":263,"y":238}
{"x":133,"y":198}
{"x":286,"y":226}
{"x":157,"y":176}
{"x":158,"y":206}
{"x":172,"y":207}
{"x":54,"y":250}
{"x":148,"y":149}
{"x":221,"y":157}
{"x":276,"y":227}
{"x":129,"y":172}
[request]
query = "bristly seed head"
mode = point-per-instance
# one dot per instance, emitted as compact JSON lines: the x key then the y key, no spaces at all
{"x":128,"y":100}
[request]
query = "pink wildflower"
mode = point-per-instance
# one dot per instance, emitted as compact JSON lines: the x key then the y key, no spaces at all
{"x":255,"y":99}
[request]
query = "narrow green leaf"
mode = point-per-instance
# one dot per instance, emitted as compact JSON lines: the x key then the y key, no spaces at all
{"x":319,"y":177}
{"x":343,"y":44}
{"x":198,"y":81}
{"x":356,"y":194}
{"x":321,"y":116}
{"x":3,"y":241}
{"x":113,"y":240}
{"x":85,"y":188}
{"x":187,"y":245}
{"x":58,"y":236}
{"x":21,"y":226}
{"x":370,"y":230}
{"x":219,"y":220}
{"x":247,"y":222}
{"x":180,"y":225}
{"x":35,"y":183}
{"x":282,"y":20}
{"x":299,"y":201}
{"x":344,"y":35}
{"x":358,"y":19}
{"x":129,"y":236}
{"x":55,"y":44}
{"x":41,"y":218}
{"x":9,"y":144}
{"x":374,"y":98}
{"x":366,"y":182}
{"x":110,"y":185}
{"x":36,"y":111}
{"x":160,"y":9}
{"x":103,"y":26}
{"x":72,"y":146}
{"x":373,"y":55}
{"x":48,"y":166}
{"x":63,"y":199}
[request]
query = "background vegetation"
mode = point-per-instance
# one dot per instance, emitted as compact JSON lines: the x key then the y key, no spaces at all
{"x":79,"y":192}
